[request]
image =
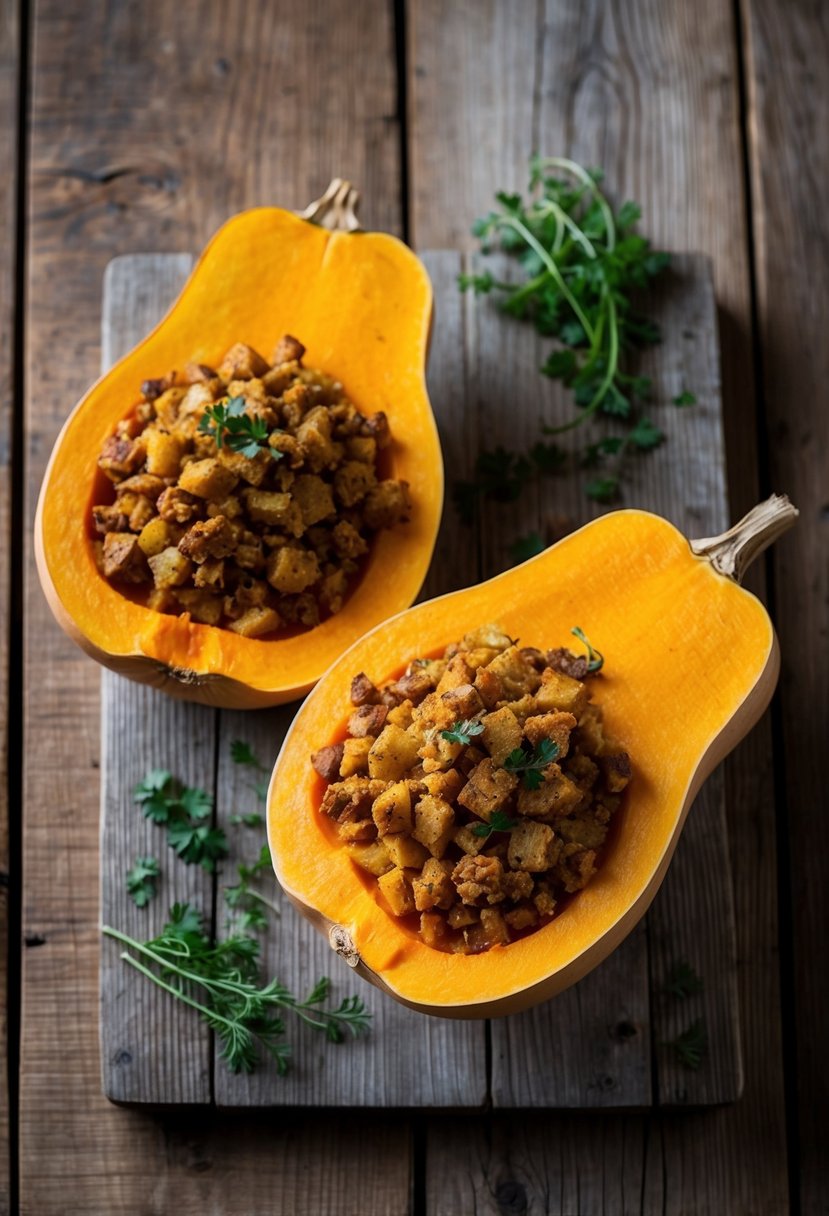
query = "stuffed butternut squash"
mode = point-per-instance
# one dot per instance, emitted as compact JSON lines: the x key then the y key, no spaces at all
{"x":225,"y":530}
{"x":475,"y":814}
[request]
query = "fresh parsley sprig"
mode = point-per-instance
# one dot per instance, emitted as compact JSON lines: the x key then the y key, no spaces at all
{"x":183,"y":810}
{"x":244,"y":433}
{"x":499,"y":822}
{"x":141,"y":881}
{"x":463,"y":732}
{"x":245,"y":899}
{"x":531,"y":764}
{"x":595,"y":659}
{"x":221,"y":982}
{"x":582,"y":264}
{"x":691,"y":1047}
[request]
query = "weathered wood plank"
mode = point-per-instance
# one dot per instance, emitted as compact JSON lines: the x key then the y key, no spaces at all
{"x":650,"y":91}
{"x":9,"y":69}
{"x":787,"y":50}
{"x":249,"y":117}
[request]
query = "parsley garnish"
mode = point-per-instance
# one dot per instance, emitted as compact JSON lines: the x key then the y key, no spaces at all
{"x":244,"y":433}
{"x":141,"y":881}
{"x":595,"y":659}
{"x":182,"y":810}
{"x":581,"y":263}
{"x":500,"y":822}
{"x":462,"y":732}
{"x":222,"y":982}
{"x":242,"y":753}
{"x":246,"y":900}
{"x":684,"y":398}
{"x":691,"y":1047}
{"x":683,"y":980}
{"x":531,"y":764}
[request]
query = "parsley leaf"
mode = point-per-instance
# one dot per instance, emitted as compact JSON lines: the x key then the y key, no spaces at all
{"x":182,"y":809}
{"x":141,"y":881}
{"x":197,"y":844}
{"x":462,"y":732}
{"x":531,"y":764}
{"x":691,"y":1047}
{"x":230,"y":426}
{"x":684,"y":398}
{"x":499,"y":822}
{"x":683,"y":981}
{"x":156,"y":795}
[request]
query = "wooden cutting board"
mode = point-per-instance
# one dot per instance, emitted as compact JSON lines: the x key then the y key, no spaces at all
{"x":602,"y":1044}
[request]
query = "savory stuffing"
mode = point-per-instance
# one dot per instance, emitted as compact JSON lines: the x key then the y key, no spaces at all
{"x":245,"y":496}
{"x":477,"y":789}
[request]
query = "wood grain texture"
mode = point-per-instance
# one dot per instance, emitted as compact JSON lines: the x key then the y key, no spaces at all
{"x":787,"y":51}
{"x":9,"y":68}
{"x":651,"y":92}
{"x":138,"y":143}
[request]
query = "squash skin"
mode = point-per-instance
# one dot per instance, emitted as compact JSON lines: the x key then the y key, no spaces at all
{"x":362,"y":304}
{"x":691,"y":661}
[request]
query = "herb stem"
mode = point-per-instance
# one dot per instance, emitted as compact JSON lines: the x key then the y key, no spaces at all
{"x":511,"y":222}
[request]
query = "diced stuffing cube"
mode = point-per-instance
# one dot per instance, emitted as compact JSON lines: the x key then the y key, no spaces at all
{"x":207,"y":479}
{"x":434,"y":888}
{"x":291,"y":570}
{"x":347,"y":540}
{"x":456,"y":672}
{"x":467,"y":840}
{"x":314,"y":438}
{"x":582,"y":829}
{"x":327,"y":761}
{"x":121,"y":456}
{"x":432,"y":928}
{"x":397,"y":891}
{"x":271,"y":507}
{"x":406,"y":852}
{"x":557,"y":795}
{"x":373,"y":858}
{"x":155,"y":536}
{"x":357,"y":831}
{"x":164,"y":453}
{"x":251,"y":469}
{"x":553,"y":726}
{"x":533,"y":847}
{"x":401,"y":715}
{"x":209,"y":538}
{"x":367,"y":720}
{"x":167,"y":406}
{"x":490,"y":635}
{"x":523,"y":917}
{"x":392,"y":810}
{"x":256,"y":622}
{"x":242,"y":362}
{"x":518,"y":676}
{"x":288,"y":349}
{"x":501,"y":735}
{"x":177,"y":506}
{"x":591,"y":730}
{"x":314,"y":498}
{"x":558,"y":691}
{"x":355,"y":756}
{"x":202,"y":606}
{"x":462,"y":915}
{"x":490,"y":931}
{"x":576,"y":866}
{"x":170,"y":568}
{"x":393,"y":753}
{"x":616,"y":771}
{"x":352,"y":482}
{"x":446,"y":785}
{"x":489,"y":687}
{"x":210,"y":574}
{"x":363,"y":691}
{"x":487,"y":789}
{"x":387,"y":505}
{"x":479,"y":880}
{"x":462,"y":702}
{"x":434,"y":823}
{"x":124,"y":558}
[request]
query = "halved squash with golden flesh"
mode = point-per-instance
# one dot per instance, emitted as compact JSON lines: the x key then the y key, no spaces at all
{"x":691,"y":661}
{"x":362,"y":305}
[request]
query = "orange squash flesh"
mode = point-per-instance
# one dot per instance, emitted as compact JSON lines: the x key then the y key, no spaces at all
{"x":690,"y":663}
{"x":361,"y":303}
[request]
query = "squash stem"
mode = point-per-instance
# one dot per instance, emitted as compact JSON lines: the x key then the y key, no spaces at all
{"x":335,"y":210}
{"x":732,"y":553}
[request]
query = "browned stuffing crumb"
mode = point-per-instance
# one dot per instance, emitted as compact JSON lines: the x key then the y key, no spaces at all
{"x":449,"y":832}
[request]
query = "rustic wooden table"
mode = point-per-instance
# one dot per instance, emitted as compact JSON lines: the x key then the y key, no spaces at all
{"x":140,"y":126}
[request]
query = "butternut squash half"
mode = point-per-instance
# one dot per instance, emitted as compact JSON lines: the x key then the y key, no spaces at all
{"x":691,"y":661}
{"x":362,"y":305}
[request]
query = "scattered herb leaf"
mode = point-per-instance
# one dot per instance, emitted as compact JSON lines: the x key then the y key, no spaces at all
{"x":684,"y":398}
{"x":691,"y":1047}
{"x":595,"y":659}
{"x":500,"y":822}
{"x":602,"y":489}
{"x":197,"y":843}
{"x":244,"y":433}
{"x":246,"y":900}
{"x":243,"y":754}
{"x":462,"y":732}
{"x":183,"y":810}
{"x":683,"y":980}
{"x":531,"y":764}
{"x":141,"y":881}
{"x":222,"y":982}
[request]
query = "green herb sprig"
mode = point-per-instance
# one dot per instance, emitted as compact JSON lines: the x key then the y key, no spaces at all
{"x":246,"y":900}
{"x":242,"y":753}
{"x":221,"y":982}
{"x":683,"y":981}
{"x":595,"y":659}
{"x":582,"y":263}
{"x":499,"y":822}
{"x":244,"y":433}
{"x":463,"y":732}
{"x":184,"y":811}
{"x":141,"y":880}
{"x":531,"y":764}
{"x":691,"y":1047}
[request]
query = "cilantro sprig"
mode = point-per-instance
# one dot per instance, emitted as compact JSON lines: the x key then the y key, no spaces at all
{"x":499,"y":822}
{"x":184,"y":811}
{"x":582,"y":264}
{"x":222,"y":982}
{"x":141,"y":880}
{"x":531,"y":764}
{"x":244,"y":433}
{"x":463,"y":731}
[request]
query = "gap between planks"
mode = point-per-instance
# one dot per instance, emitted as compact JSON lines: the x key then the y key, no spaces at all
{"x":597,"y":1045}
